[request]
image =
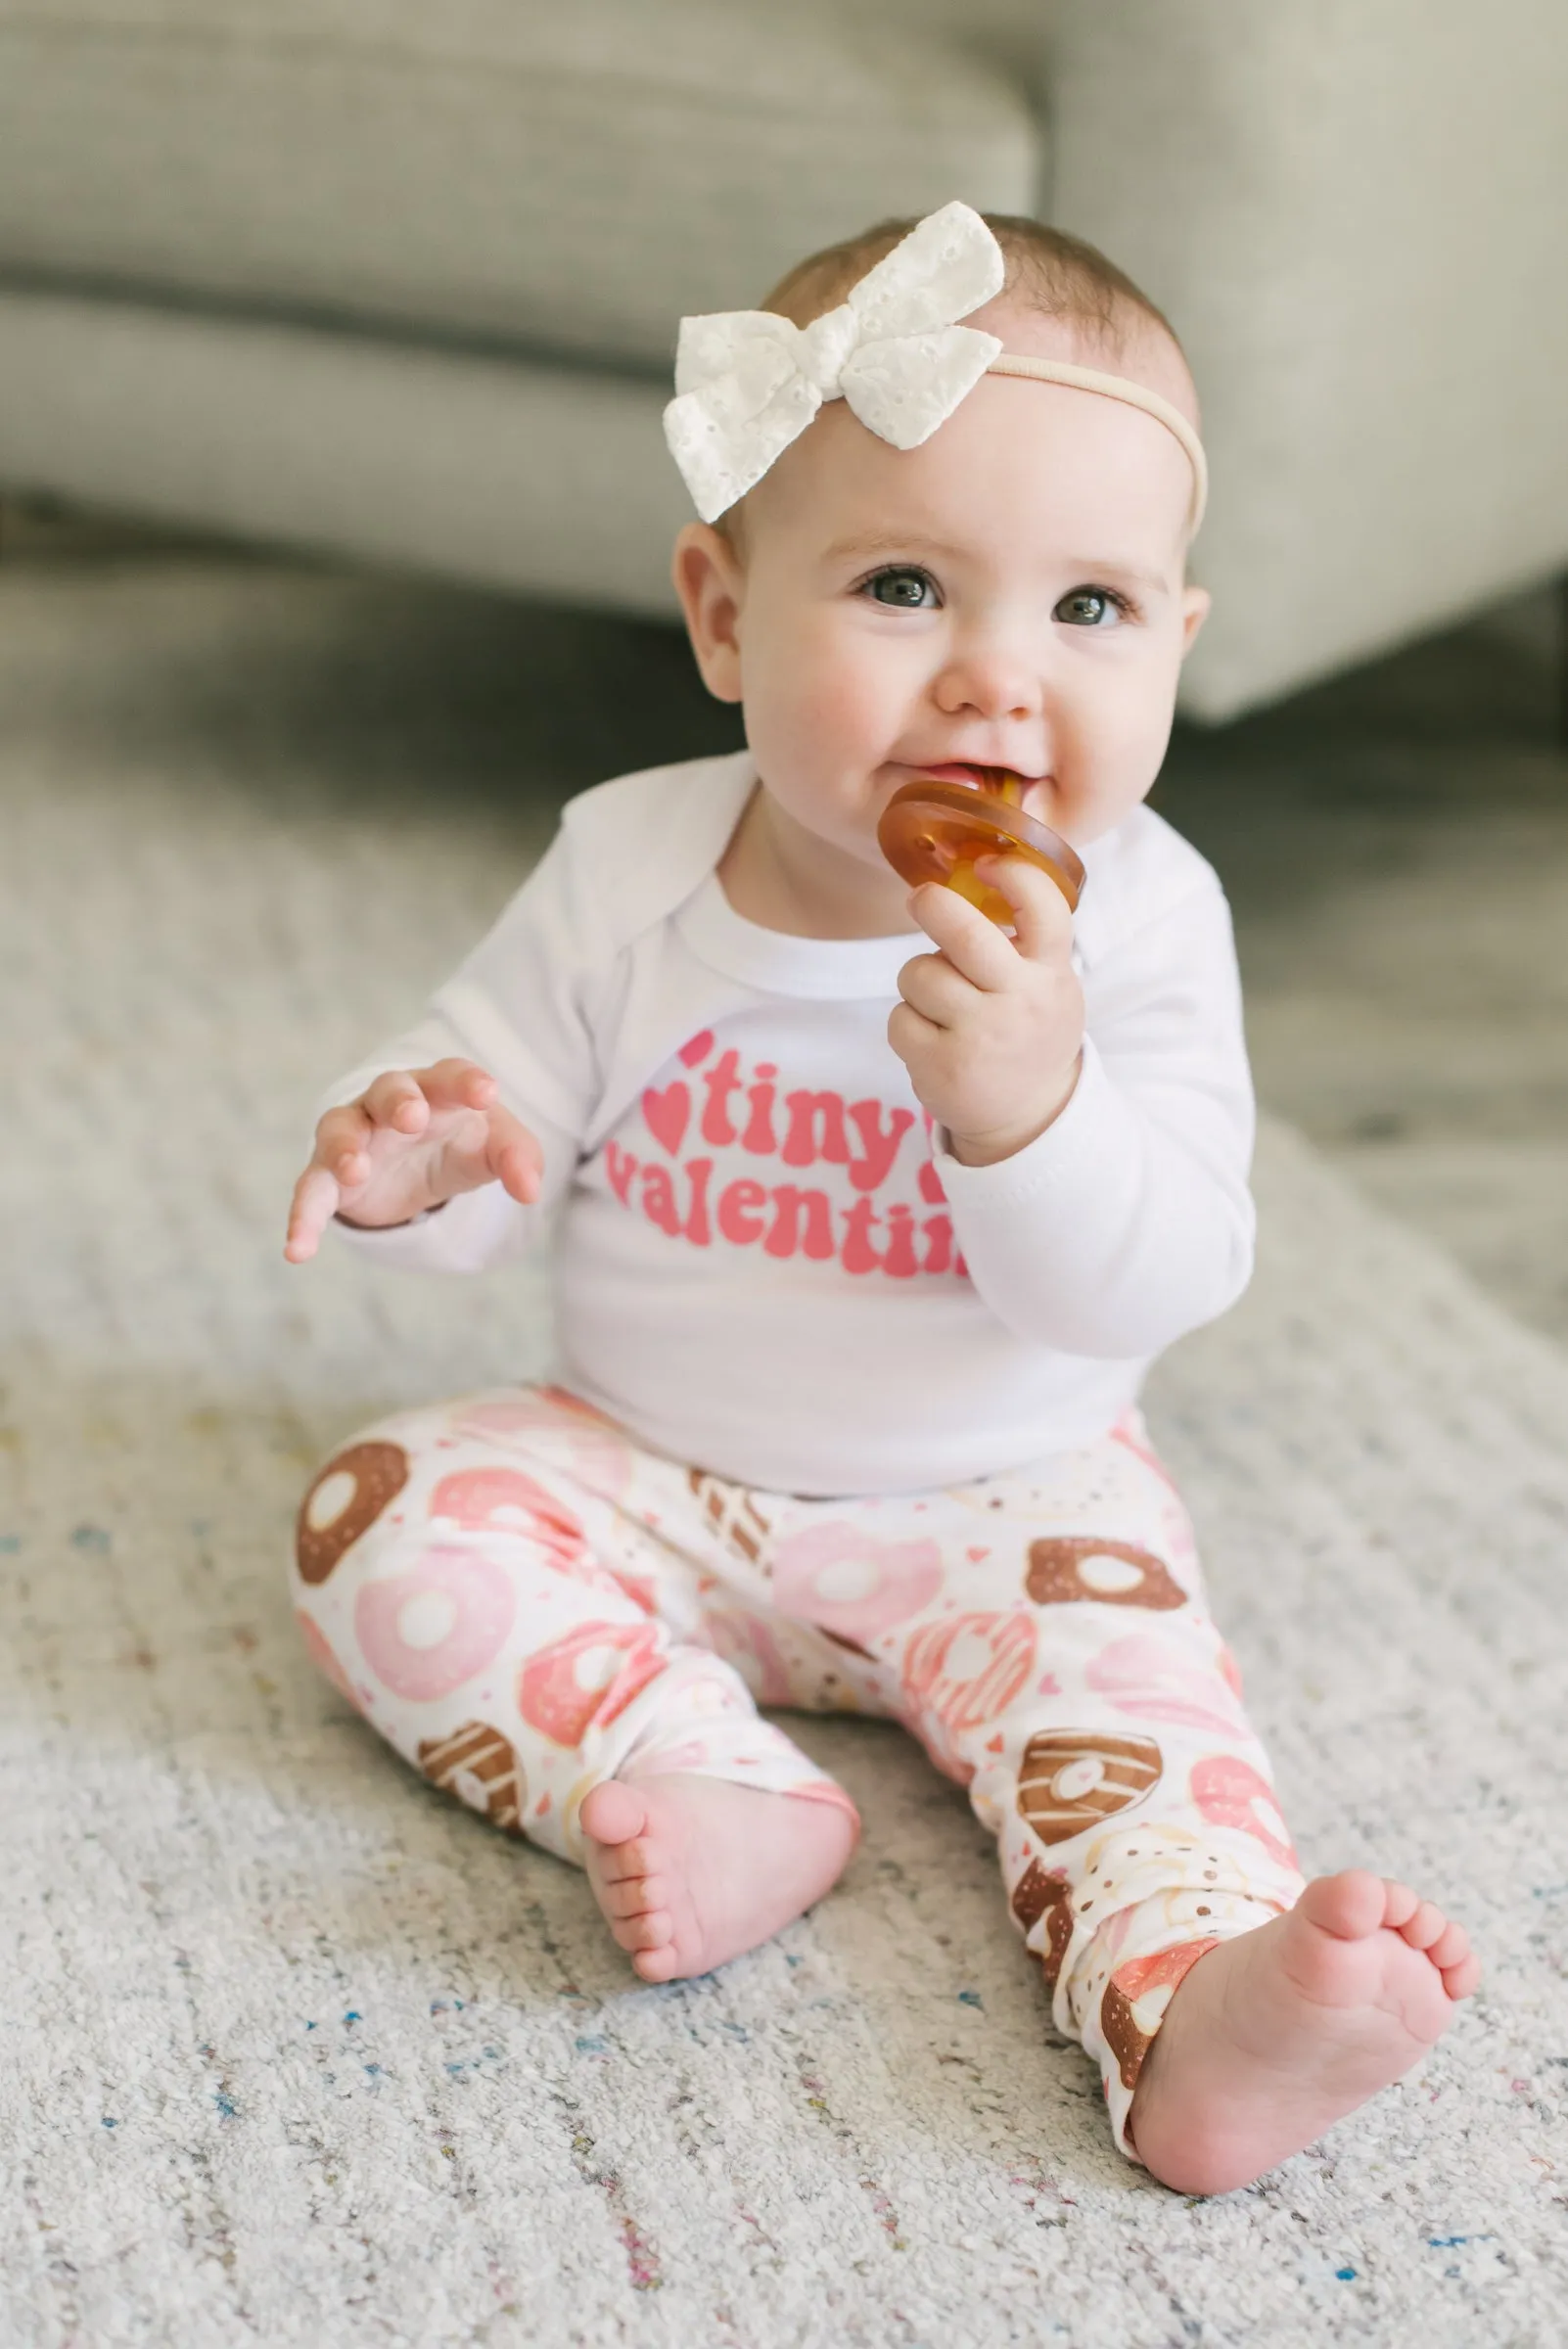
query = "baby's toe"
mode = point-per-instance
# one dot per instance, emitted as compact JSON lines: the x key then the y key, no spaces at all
{"x":633,"y":1896}
{"x":1464,"y":1979}
{"x":1399,"y":1902}
{"x":613,"y":1815}
{"x":620,"y":1861}
{"x":1451,"y":1945}
{"x":1350,"y":1905}
{"x":648,"y":1932}
{"x":1426,"y":1927}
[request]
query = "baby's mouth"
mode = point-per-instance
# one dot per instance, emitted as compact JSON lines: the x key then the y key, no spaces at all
{"x":999,"y":782}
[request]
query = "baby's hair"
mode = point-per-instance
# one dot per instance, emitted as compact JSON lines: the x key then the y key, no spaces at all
{"x":1048,"y":270}
{"x":1059,"y":275}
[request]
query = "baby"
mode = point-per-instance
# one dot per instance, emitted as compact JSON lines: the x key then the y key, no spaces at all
{"x":870,"y":1218}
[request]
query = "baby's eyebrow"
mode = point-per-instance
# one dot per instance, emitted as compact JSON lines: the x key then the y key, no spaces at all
{"x":891,"y":543}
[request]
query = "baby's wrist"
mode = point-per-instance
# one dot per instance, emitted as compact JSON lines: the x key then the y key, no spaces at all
{"x":990,"y":1148}
{"x":396,"y":1223}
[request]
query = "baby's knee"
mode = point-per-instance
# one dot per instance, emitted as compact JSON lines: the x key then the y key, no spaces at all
{"x":353,"y":1491}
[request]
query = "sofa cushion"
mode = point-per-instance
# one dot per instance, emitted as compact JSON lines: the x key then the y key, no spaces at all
{"x":558,"y":174}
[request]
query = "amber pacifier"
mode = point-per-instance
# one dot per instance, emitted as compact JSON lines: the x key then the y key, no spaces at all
{"x":938,"y":831}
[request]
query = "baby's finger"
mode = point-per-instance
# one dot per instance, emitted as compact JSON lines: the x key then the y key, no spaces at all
{"x":931,"y":985}
{"x":395,"y":1099}
{"x":455,"y":1084}
{"x":973,"y":944}
{"x":310,"y":1211}
{"x":514,"y":1155}
{"x":1043,"y":919}
{"x":342,"y":1137}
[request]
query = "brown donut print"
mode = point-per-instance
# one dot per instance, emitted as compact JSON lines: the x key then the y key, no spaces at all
{"x":1135,"y":1999}
{"x":1034,"y":1895}
{"x":1077,"y":1778}
{"x":1112,"y":1573}
{"x":347,"y":1497}
{"x":732,"y":1512}
{"x":478,"y":1764}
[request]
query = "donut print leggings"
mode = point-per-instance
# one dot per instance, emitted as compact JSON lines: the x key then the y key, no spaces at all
{"x":525,"y":1602}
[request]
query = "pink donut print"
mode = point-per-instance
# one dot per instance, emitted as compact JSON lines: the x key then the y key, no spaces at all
{"x":555,"y":1427}
{"x":640,"y":1588}
{"x":588,"y":1679}
{"x":748,"y":1644}
{"x":1146,"y":1677}
{"x":851,"y":1586}
{"x":711,"y":1693}
{"x":425,"y":1632}
{"x":505,"y":1500}
{"x":498,"y":1417}
{"x":319,"y":1650}
{"x":1229,"y":1793}
{"x":963,"y":1671}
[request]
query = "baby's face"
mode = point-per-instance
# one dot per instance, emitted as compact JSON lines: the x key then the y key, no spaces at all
{"x":1010,"y":594}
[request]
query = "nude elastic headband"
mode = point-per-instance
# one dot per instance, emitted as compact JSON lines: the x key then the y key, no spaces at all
{"x":1135,"y":395}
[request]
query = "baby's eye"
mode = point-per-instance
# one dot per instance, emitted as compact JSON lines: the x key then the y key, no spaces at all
{"x":1092,"y":608}
{"x":907,"y":589}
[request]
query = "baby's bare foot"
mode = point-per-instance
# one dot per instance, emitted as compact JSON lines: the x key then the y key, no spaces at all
{"x":691,"y":1870}
{"x":1277,"y":2034}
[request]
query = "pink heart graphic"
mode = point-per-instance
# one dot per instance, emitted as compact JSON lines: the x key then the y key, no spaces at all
{"x":698,"y":1049}
{"x":977,"y":1554}
{"x":666,"y":1113}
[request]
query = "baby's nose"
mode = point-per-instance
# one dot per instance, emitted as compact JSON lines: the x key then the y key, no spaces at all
{"x":992,"y":681}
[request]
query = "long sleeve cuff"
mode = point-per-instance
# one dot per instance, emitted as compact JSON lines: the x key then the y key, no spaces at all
{"x":477,"y":1229}
{"x":1109,"y":1234}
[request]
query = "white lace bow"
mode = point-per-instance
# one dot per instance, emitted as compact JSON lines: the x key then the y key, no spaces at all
{"x":748,"y":383}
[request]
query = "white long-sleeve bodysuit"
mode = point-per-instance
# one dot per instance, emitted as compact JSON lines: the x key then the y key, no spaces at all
{"x":767,"y":1265}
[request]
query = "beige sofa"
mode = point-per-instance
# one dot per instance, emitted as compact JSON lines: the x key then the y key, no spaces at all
{"x":400,"y":281}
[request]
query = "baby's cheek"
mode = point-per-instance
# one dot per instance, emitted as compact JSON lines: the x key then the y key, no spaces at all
{"x":1112,"y":752}
{"x":821,"y":719}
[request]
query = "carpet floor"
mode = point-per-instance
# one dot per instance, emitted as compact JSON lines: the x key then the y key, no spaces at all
{"x":297,"y":2050}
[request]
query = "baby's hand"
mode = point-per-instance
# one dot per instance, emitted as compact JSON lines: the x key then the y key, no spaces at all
{"x":413,"y":1140}
{"x":990,"y":1028}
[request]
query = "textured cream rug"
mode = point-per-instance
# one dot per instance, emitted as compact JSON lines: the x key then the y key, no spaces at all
{"x":297,"y":2050}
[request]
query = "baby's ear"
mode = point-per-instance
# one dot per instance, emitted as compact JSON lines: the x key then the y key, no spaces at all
{"x":709,"y":580}
{"x":1195,"y":602}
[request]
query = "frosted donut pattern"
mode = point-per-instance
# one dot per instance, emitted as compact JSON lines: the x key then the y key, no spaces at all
{"x":1135,"y":1999}
{"x":423,"y":1634}
{"x":347,"y":1497}
{"x":732,"y":1512}
{"x":588,"y":1679}
{"x":505,"y":1500}
{"x":1230,"y":1793}
{"x":746,"y":1641}
{"x":552,"y":1425}
{"x":1153,"y":1680}
{"x":961,"y":1670}
{"x":1039,"y":1894}
{"x":849,"y":1585}
{"x":481,"y":1766}
{"x":1113,"y":1574}
{"x":1073,"y":1780}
